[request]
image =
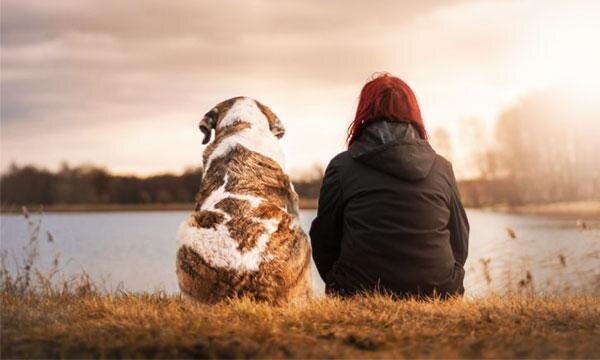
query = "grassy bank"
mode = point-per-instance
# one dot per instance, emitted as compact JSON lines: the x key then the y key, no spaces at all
{"x":159,"y":326}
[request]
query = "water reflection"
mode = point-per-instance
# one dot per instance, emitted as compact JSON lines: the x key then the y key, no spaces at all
{"x":137,"y":249}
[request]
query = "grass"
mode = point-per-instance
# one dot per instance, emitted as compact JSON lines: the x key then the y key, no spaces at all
{"x":44,"y":315}
{"x":92,"y":325}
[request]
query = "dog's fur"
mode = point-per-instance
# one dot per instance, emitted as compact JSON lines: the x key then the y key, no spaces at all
{"x":244,"y":238}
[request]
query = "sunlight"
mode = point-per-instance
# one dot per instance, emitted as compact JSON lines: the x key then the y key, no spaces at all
{"x":564,"y":49}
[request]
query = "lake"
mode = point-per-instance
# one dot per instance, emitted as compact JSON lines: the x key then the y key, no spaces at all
{"x":136,"y":250}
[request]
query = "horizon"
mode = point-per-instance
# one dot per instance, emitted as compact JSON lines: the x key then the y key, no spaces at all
{"x":82,"y":82}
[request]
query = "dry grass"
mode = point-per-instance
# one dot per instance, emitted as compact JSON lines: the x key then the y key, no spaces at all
{"x":45,"y":317}
{"x":90,"y":325}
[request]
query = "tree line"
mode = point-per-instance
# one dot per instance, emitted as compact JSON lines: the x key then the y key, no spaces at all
{"x":544,"y":149}
{"x":88,"y":184}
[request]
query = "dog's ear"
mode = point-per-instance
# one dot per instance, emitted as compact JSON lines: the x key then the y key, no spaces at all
{"x":208,"y":123}
{"x":275,"y":124}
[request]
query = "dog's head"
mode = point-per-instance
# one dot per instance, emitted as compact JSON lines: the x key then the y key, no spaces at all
{"x":240,"y":108}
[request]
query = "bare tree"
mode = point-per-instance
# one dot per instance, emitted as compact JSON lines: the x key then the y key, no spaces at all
{"x":442,"y":142}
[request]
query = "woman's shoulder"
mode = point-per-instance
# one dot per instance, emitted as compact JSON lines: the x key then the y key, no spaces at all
{"x":337,"y":165}
{"x":339,"y":161}
{"x":444,"y":168}
{"x":443,"y":162}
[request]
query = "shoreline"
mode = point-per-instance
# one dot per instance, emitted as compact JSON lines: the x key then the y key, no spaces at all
{"x":305,"y":204}
{"x":585,"y":210}
{"x":588,"y":210}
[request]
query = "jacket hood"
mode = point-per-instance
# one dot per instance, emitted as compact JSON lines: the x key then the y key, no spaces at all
{"x":394,"y":148}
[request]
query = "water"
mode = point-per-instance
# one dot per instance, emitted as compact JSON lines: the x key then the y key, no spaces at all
{"x":136,"y":250}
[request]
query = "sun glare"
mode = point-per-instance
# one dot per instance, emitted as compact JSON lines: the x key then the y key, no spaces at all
{"x":564,"y":49}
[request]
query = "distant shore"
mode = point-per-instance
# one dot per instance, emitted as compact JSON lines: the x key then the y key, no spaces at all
{"x":8,"y":209}
{"x":572,"y":210}
{"x":588,"y":210}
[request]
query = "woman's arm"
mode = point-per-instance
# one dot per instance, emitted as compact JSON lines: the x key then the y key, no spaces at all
{"x":458,"y":226}
{"x":326,"y":228}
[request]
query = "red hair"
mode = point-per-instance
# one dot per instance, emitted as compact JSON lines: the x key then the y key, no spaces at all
{"x":386,"y":97}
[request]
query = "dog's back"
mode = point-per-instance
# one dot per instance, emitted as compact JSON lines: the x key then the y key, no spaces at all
{"x":244,"y":237}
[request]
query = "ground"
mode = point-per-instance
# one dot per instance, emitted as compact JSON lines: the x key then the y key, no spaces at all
{"x":92,"y":325}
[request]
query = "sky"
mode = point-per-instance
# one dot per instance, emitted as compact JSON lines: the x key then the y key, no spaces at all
{"x":123,"y":84}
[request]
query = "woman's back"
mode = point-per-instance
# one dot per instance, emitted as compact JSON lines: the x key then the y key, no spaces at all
{"x":389,"y":217}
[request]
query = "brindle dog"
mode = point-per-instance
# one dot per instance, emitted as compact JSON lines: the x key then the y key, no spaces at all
{"x":244,"y":238}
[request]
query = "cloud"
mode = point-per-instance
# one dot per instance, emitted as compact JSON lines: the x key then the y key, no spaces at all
{"x":124,"y":83}
{"x":82,"y":52}
{"x":111,"y":65}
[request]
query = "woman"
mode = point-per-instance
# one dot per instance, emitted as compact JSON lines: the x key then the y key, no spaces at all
{"x":390,"y":217}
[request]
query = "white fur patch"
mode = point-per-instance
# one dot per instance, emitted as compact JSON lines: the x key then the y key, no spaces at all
{"x":219,"y":250}
{"x":216,"y":246}
{"x":258,"y":137}
{"x":211,"y":201}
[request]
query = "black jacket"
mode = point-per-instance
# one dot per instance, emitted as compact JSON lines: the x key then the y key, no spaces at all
{"x":390,"y":217}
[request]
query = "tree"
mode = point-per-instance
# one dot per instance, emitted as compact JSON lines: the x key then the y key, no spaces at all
{"x":442,"y":143}
{"x":546,"y":148}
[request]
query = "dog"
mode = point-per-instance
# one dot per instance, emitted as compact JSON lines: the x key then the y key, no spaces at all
{"x":244,"y":237}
